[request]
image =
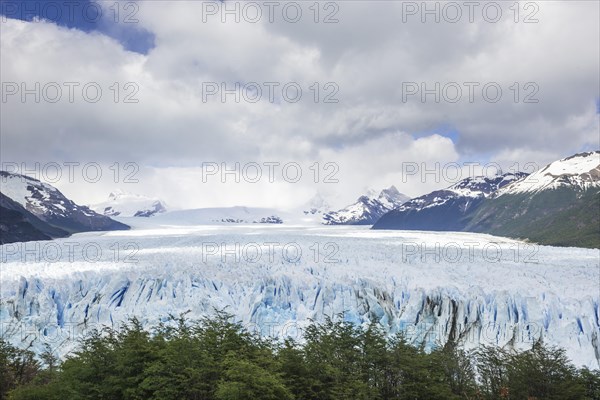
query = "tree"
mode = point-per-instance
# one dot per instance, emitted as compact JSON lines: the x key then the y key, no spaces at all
{"x":459,"y":371}
{"x":216,"y":359}
{"x":244,"y":379}
{"x":296,"y":375}
{"x":17,"y":367}
{"x":543,"y":373}
{"x":491,"y":365}
{"x":333,"y":352}
{"x":590,"y":380}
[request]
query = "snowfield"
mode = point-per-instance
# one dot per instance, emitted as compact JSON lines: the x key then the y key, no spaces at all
{"x":434,"y":286}
{"x":581,"y":171}
{"x":125,"y":204}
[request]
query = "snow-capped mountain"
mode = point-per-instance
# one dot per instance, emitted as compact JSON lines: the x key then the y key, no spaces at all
{"x":367,"y":209}
{"x":220,"y":215}
{"x":447,"y":209}
{"x":370,"y":277}
{"x":19,"y":225}
{"x":49,"y":205}
{"x":124,"y":204}
{"x":558,"y":205}
{"x":579,"y":172}
{"x":391,"y":198}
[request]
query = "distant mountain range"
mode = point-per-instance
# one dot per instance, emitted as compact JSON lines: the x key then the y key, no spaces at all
{"x":368,"y":209}
{"x":124,"y":204}
{"x":558,"y":205}
{"x":33,"y":210}
{"x":446,"y":209}
{"x":220,"y":216}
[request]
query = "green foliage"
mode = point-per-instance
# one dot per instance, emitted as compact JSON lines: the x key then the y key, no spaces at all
{"x":590,"y":381}
{"x":558,"y":217}
{"x":17,"y":368}
{"x":244,"y":379}
{"x":216,"y":359}
{"x":543,"y":373}
{"x":539,"y":373}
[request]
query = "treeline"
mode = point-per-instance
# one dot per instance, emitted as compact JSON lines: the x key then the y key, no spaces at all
{"x":218,"y":359}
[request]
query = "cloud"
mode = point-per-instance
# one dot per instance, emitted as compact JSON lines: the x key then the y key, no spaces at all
{"x":368,"y":57}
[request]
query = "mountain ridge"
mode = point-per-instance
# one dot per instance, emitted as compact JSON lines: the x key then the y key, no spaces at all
{"x":561,"y":209}
{"x":48,"y":210}
{"x":446,"y":209}
{"x":367,"y":209}
{"x":558,"y":205}
{"x":124,"y":204}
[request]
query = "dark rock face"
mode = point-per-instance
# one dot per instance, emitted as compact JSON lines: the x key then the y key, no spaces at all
{"x":14,"y":227}
{"x":47,"y":209}
{"x":19,"y":225}
{"x":273,"y":219}
{"x":157,"y":207}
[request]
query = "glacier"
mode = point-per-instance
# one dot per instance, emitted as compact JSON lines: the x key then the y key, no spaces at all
{"x":468,"y":288}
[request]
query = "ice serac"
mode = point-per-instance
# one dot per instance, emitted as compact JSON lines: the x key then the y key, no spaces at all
{"x":523,"y":295}
{"x":123,"y":204}
{"x":557,"y":205}
{"x":48,"y":204}
{"x":367,"y":209}
{"x":448,"y":209}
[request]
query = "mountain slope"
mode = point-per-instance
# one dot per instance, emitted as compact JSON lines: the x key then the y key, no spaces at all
{"x":14,"y":227}
{"x":124,"y":204}
{"x":19,"y":225}
{"x":49,"y":205}
{"x":445,"y":210}
{"x":392,"y":198}
{"x":367,"y":209}
{"x":578,"y":172}
{"x":558,"y":205}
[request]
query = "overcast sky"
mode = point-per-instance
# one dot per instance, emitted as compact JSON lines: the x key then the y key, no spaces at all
{"x":365,"y":68}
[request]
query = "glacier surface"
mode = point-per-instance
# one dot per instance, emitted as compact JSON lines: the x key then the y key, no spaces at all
{"x":470,"y":288}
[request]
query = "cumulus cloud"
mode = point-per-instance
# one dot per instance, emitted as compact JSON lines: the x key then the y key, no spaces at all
{"x":370,"y":57}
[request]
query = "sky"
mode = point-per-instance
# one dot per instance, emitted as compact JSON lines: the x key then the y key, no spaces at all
{"x":164,"y":98}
